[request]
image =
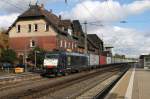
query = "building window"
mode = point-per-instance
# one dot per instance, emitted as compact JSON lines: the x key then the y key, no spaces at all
{"x":69,"y":45}
{"x":29,"y":26}
{"x":63,"y":28}
{"x":47,"y":27}
{"x":61,"y":43}
{"x":75,"y":45}
{"x":32,"y":43}
{"x":35,"y":27}
{"x":72,"y":45}
{"x":18,"y":28}
{"x":65,"y":44}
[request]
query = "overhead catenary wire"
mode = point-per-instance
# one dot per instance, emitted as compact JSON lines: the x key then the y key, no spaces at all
{"x":18,"y":8}
{"x":85,"y":23}
{"x":14,"y":4}
{"x":25,"y":5}
{"x":90,"y":13}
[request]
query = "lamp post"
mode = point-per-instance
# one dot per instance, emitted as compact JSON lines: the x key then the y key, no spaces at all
{"x":25,"y":61}
{"x":35,"y":57}
{"x":85,"y":34}
{"x":25,"y":58}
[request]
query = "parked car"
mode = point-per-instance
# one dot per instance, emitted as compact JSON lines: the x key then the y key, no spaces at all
{"x":7,"y":65}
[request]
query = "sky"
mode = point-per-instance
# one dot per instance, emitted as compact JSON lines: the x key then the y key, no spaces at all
{"x":123,"y":24}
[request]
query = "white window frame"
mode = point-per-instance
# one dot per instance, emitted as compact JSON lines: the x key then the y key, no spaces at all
{"x":69,"y":31}
{"x":63,"y":28}
{"x":65,"y":44}
{"x":68,"y":44}
{"x":46,"y":27}
{"x":75,"y":45}
{"x":31,"y":43}
{"x":61,"y":43}
{"x":72,"y":45}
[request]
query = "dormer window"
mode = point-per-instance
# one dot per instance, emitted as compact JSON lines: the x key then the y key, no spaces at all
{"x":47,"y":27}
{"x":69,"y":31}
{"x":29,"y":26}
{"x":35,"y":27}
{"x":18,"y":28}
{"x":63,"y":28}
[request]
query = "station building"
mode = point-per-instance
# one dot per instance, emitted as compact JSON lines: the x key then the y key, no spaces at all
{"x":145,"y":61}
{"x":38,"y":27}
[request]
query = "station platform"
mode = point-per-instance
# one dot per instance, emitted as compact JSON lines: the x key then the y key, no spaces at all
{"x":135,"y":84}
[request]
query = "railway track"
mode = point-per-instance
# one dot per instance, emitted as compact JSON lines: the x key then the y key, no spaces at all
{"x":20,"y":83}
{"x":17,"y":77}
{"x":72,"y":91}
{"x":39,"y":88}
{"x":76,"y":89}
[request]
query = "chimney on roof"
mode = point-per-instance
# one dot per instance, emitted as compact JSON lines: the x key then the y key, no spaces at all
{"x":60,"y":17}
{"x":50,"y":10}
{"x":42,"y":6}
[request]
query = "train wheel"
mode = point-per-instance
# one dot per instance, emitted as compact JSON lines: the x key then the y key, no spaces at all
{"x":56,"y":74}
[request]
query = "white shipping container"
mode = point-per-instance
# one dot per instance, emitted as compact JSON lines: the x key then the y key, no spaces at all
{"x":94,"y":59}
{"x":108,"y":60}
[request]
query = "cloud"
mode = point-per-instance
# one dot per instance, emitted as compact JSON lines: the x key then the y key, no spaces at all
{"x":126,"y":41}
{"x":10,"y":9}
{"x":109,"y":10}
{"x":138,"y":6}
{"x":7,"y":20}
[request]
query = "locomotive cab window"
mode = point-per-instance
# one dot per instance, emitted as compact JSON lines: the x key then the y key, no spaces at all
{"x":51,"y":56}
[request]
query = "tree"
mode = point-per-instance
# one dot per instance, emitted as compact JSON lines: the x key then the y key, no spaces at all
{"x":3,"y":39}
{"x":39,"y":56}
{"x":8,"y":55}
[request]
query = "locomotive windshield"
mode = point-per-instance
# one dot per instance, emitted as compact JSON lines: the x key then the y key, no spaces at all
{"x":51,"y":60}
{"x":51,"y":56}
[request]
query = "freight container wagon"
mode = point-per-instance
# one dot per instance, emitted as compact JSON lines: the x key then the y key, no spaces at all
{"x":108,"y":60}
{"x":102,"y":60}
{"x":93,"y":60}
